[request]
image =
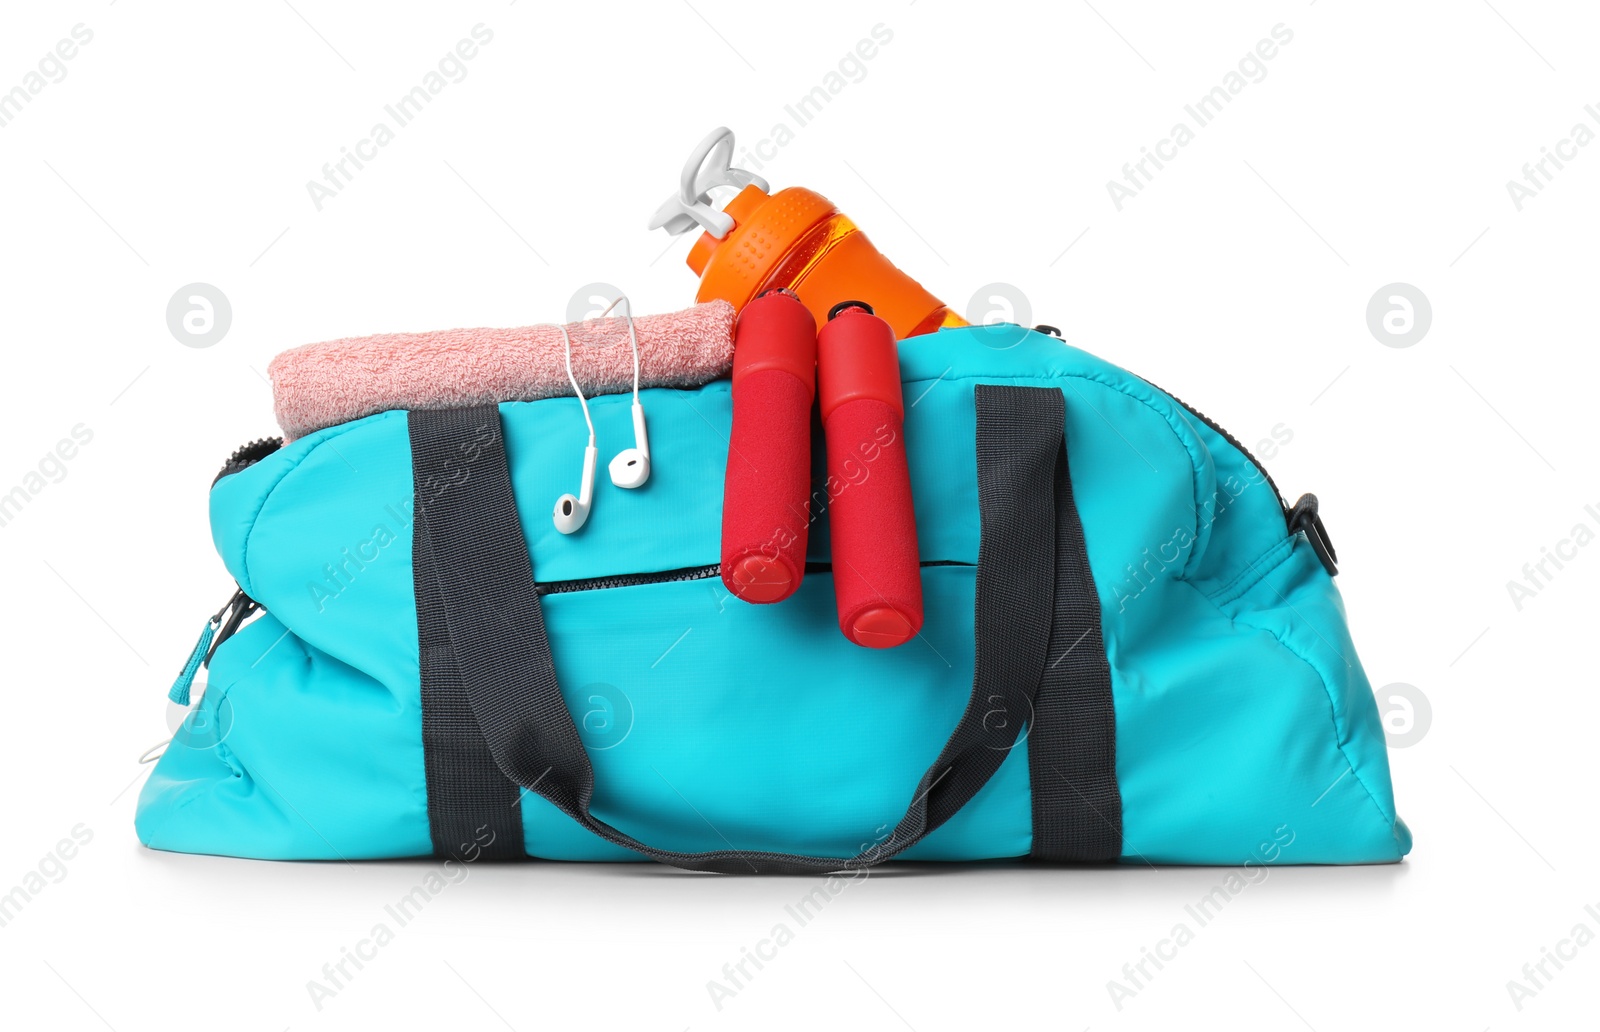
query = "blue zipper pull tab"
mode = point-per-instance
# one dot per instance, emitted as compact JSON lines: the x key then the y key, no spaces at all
{"x":179,"y":693}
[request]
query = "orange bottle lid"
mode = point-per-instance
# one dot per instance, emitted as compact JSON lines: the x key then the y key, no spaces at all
{"x":765,"y":228}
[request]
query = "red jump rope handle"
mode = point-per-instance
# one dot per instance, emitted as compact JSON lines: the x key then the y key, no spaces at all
{"x":765,"y":505}
{"x":876,"y":574}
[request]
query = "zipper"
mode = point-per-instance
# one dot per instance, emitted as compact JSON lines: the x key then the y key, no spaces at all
{"x":239,"y":609}
{"x":629,"y":580}
{"x":688,"y":573}
{"x":1214,"y":425}
{"x":1302,"y":517}
{"x":252,"y":452}
{"x":225,"y":622}
{"x":219,"y":628}
{"x":828,"y":567}
{"x":247,"y":455}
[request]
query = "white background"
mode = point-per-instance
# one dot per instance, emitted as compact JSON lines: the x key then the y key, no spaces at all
{"x":976,"y":148}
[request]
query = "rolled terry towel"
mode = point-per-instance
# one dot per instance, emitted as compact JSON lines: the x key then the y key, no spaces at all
{"x":320,"y":385}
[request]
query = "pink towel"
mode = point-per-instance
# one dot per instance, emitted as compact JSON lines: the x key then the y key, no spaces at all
{"x":320,"y":385}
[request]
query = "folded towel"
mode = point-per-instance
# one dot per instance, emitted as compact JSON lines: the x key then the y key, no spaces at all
{"x":320,"y":385}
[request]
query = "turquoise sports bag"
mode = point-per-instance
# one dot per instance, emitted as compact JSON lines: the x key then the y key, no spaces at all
{"x":1133,"y":650}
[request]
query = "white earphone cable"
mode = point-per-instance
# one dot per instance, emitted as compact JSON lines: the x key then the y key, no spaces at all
{"x":633,"y":339}
{"x":571,"y":378}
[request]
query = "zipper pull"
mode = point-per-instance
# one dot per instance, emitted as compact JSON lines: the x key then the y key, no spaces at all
{"x":236,"y":609}
{"x":179,"y":693}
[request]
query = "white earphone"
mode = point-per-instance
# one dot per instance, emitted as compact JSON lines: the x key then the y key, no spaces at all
{"x":631,"y":466}
{"x":571,"y":513}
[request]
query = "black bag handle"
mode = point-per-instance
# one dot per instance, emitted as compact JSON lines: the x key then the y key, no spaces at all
{"x":475,"y":583}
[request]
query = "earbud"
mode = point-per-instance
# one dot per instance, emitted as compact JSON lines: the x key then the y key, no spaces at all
{"x":631,"y":467}
{"x":572,"y":512}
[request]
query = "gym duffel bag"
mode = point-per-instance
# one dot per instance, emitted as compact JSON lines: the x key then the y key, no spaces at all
{"x":1132,"y":650}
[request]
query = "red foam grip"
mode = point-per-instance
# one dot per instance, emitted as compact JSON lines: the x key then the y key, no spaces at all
{"x":876,"y":576}
{"x":872,"y":524}
{"x":766,"y":493}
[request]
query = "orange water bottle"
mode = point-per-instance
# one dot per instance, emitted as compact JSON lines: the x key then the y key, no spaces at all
{"x":794,"y":239}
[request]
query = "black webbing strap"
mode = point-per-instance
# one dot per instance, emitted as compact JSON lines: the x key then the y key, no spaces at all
{"x":476,"y":570}
{"x":474,"y":810}
{"x":1072,"y":745}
